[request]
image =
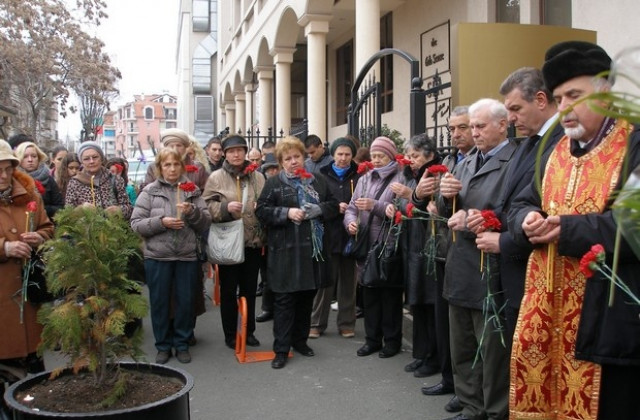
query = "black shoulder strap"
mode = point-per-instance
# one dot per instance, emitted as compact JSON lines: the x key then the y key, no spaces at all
{"x":377,"y":197}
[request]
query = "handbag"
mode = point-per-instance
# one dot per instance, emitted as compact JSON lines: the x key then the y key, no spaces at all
{"x":357,"y":246}
{"x":225,"y":244}
{"x":383,"y":266}
{"x":37,"y":291}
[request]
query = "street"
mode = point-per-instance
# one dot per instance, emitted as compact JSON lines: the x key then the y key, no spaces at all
{"x":335,"y":384}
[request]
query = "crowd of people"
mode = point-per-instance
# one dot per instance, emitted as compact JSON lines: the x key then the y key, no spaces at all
{"x":490,"y":262}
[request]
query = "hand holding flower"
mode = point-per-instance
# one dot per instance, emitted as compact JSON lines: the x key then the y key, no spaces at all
{"x":427,"y":186}
{"x":458,"y":220}
{"x":172,"y":223}
{"x":235,"y":208}
{"x":33,"y":239}
{"x":400,"y":190}
{"x":390,"y":211}
{"x":488,"y":242}
{"x":449,"y":186}
{"x":364,"y":204}
{"x":185,"y":208}
{"x":475,"y":221}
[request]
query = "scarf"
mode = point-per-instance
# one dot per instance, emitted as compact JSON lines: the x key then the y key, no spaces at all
{"x":41,"y":174}
{"x":307,"y":194}
{"x":340,"y":172}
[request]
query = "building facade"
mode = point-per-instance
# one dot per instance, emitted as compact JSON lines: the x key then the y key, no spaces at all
{"x":279,"y":62}
{"x":137,"y":124}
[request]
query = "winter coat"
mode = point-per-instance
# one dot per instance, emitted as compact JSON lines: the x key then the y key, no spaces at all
{"x":314,"y":166}
{"x":420,"y":285}
{"x":158,"y":200}
{"x":18,"y":339}
{"x":290,"y":265}
{"x":222,"y":187}
{"x":464,"y":284}
{"x":341,"y":190}
{"x":108,"y":190}
{"x":368,"y":187}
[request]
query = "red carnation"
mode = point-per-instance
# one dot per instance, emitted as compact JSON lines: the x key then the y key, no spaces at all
{"x":410,"y":208}
{"x":402,"y":160}
{"x":588,"y":263}
{"x":398,"y":217}
{"x":32,"y":206}
{"x":437,"y":169}
{"x":491,"y":221}
{"x":188,"y":186}
{"x":119,"y":168}
{"x":191,"y":168}
{"x":250,"y":168}
{"x":302,"y":173}
{"x":364,"y":167}
{"x":40,"y":187}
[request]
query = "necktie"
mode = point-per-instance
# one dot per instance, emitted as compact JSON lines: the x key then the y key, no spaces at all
{"x":480,"y":162}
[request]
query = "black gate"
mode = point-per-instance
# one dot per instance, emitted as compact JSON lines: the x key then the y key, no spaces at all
{"x":364,"y":116}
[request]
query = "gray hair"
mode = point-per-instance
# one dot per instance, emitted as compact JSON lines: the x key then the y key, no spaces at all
{"x":529,"y":81}
{"x":496,"y":109}
{"x":459,"y":110}
{"x":422,"y":143}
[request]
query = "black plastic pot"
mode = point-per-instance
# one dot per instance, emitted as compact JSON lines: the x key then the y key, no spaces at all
{"x":174,"y":407}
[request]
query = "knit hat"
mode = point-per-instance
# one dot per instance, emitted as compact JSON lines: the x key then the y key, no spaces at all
{"x":384,"y":145}
{"x":570,"y":59}
{"x":234,"y":141}
{"x":84,"y":146}
{"x":174,"y":134}
{"x":269,"y":162}
{"x":341,"y":141}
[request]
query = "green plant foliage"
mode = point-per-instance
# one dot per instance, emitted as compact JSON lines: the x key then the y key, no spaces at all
{"x":87,"y":263}
{"x":394,"y":135}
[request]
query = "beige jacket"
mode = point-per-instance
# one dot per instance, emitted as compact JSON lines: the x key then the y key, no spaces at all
{"x":222,"y":187}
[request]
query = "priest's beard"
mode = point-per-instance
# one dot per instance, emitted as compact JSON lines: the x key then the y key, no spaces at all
{"x":576,"y":133}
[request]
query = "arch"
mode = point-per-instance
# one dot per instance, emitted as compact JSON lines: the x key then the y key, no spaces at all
{"x":287,"y":30}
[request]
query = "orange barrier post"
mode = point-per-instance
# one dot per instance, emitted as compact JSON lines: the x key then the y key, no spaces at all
{"x":216,"y":285}
{"x":241,"y":339}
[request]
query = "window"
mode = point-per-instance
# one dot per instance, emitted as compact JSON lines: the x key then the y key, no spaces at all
{"x":508,"y":11}
{"x":344,"y":79}
{"x":148,"y":113}
{"x":556,"y":12}
{"x":386,"y":63}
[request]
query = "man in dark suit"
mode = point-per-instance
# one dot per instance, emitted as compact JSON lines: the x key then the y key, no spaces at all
{"x":533,"y":112}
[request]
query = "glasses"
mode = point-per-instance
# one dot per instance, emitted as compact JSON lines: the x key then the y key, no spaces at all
{"x":8,"y":170}
{"x":90,"y":158}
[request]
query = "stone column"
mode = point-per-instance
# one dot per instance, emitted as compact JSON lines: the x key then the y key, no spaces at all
{"x":248,"y":113}
{"x":283,"y":57}
{"x":265,"y":91}
{"x":230,"y":112}
{"x":315,"y":29}
{"x":240,"y":112}
{"x":367,"y":33}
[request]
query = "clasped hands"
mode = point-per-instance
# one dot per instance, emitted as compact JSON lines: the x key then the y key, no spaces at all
{"x":22,"y":248}
{"x":541,"y":230}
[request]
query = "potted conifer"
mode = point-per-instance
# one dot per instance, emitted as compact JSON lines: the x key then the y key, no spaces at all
{"x":87,"y":263}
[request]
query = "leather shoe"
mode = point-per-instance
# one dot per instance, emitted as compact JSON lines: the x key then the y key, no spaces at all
{"x":252,"y":341}
{"x":388,"y":351}
{"x":163,"y":356}
{"x":304,"y":349}
{"x":368,"y":349}
{"x":264,"y":316}
{"x":459,"y":416}
{"x":453,"y":406}
{"x":279,"y":361}
{"x":411,"y":367}
{"x":425,"y":371}
{"x":437,"y":389}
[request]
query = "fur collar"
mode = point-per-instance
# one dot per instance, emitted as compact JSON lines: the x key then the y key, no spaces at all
{"x":24,"y":189}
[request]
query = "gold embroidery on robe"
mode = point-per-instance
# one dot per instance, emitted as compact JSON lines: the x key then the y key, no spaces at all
{"x":547,"y":382}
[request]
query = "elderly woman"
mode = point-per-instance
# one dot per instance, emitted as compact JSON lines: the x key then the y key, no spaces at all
{"x":20,"y":335}
{"x":371,"y":199}
{"x":33,"y":162}
{"x":95,"y":186}
{"x":341,"y":177}
{"x":420,"y":280}
{"x":294,"y":206}
{"x":169,"y":215}
{"x":231,"y":193}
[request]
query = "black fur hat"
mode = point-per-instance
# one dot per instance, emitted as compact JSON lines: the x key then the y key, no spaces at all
{"x":570,"y":59}
{"x":234,"y":141}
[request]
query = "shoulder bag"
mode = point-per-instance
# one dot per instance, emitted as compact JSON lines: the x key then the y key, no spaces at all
{"x":383,"y":266}
{"x":225,"y":245}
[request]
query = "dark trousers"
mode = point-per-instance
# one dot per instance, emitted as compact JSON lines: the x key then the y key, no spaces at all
{"x":383,"y":315}
{"x":291,"y":319}
{"x":619,"y":391}
{"x":441,"y":311}
{"x":235,"y":281}
{"x":163,"y":277}
{"x":425,"y":341}
{"x":267,"y":294}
